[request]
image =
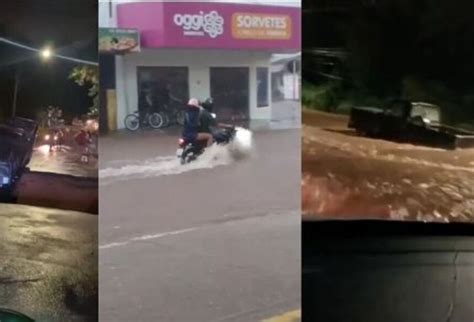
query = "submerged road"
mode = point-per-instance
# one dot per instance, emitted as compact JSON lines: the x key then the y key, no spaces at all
{"x":48,"y":263}
{"x":66,"y":159}
{"x":215,"y":241}
{"x":348,"y":176}
{"x":58,"y":179}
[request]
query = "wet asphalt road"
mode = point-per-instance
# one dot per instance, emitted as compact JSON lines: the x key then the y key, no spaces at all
{"x":220,"y":243}
{"x":48,"y":263}
{"x":347,"y":176}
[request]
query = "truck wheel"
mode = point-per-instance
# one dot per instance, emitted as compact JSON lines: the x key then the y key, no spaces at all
{"x":7,"y":196}
{"x":360,"y":132}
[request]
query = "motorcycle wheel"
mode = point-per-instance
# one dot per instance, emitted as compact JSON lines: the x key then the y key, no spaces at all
{"x":188,"y":155}
{"x":155,"y":120}
{"x":132,"y":122}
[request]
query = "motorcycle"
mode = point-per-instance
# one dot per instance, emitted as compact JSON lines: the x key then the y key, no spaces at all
{"x":189,"y":151}
{"x":54,"y":139}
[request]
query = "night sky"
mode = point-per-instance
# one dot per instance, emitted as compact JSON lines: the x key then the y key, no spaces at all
{"x":422,"y":50}
{"x":70,"y":27}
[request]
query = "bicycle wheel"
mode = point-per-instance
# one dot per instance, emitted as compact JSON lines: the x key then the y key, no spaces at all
{"x":180,"y":116}
{"x":166,"y":119}
{"x":132,"y":122}
{"x":155,"y":120}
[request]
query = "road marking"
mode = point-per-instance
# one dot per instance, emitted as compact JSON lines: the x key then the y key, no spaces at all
{"x":292,"y":316}
{"x":146,"y":237}
{"x":226,"y":219}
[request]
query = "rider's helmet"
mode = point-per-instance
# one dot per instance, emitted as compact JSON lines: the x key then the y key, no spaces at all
{"x":208,"y":104}
{"x":194,"y":102}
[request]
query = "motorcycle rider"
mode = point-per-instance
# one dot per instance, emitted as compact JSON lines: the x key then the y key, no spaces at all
{"x":84,"y":140}
{"x":208,"y":123}
{"x":192,"y":124}
{"x":50,"y":117}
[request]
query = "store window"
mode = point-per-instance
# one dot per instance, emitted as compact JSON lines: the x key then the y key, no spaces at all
{"x":230,"y":91}
{"x":162,"y":87}
{"x":262,"y":87}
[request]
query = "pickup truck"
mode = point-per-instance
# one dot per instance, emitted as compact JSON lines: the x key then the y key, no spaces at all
{"x":17,"y":139}
{"x":409,"y":122}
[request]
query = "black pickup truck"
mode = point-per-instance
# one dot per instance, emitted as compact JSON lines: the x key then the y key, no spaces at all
{"x":410,"y":122}
{"x":17,"y":139}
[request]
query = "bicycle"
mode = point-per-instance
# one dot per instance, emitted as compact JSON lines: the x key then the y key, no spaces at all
{"x":173,"y":114}
{"x":134,"y":120}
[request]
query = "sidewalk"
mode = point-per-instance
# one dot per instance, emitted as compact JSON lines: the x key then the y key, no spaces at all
{"x":285,"y":115}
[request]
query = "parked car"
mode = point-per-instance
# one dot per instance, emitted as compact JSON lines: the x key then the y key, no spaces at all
{"x":412,"y":122}
{"x":17,"y":138}
{"x":30,"y":131}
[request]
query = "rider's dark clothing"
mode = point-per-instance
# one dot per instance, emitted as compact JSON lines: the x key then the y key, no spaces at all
{"x":191,"y":123}
{"x":207,"y":122}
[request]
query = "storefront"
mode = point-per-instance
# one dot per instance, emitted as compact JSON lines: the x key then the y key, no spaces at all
{"x":199,"y":49}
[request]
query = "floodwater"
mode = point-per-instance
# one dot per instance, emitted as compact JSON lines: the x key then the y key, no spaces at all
{"x":215,"y":155}
{"x":347,"y":176}
{"x":64,"y":160}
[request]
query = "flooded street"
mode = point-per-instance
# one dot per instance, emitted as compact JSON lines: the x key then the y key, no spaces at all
{"x":346,"y":176}
{"x":66,"y":159}
{"x":173,"y":219}
{"x":58,"y":179}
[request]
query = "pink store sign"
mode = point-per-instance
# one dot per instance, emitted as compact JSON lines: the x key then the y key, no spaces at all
{"x":213,"y":25}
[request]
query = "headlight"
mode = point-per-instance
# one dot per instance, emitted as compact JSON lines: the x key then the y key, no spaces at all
{"x":47,"y":137}
{"x":5,"y":174}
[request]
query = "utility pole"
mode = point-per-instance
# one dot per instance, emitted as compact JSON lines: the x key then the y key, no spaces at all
{"x":15,"y":92}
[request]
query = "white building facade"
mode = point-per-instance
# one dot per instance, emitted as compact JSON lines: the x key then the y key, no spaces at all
{"x":199,"y":49}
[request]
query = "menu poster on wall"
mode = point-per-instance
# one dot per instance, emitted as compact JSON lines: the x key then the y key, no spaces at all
{"x":261,"y":26}
{"x":118,"y":41}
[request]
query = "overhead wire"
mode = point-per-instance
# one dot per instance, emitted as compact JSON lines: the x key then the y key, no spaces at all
{"x":73,"y":59}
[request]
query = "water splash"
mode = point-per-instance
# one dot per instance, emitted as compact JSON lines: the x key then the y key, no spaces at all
{"x":214,"y":156}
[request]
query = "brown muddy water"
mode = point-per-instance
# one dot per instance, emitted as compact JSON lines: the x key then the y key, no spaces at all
{"x":350,"y":177}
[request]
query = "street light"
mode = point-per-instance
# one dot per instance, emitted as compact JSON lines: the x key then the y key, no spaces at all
{"x":46,"y":53}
